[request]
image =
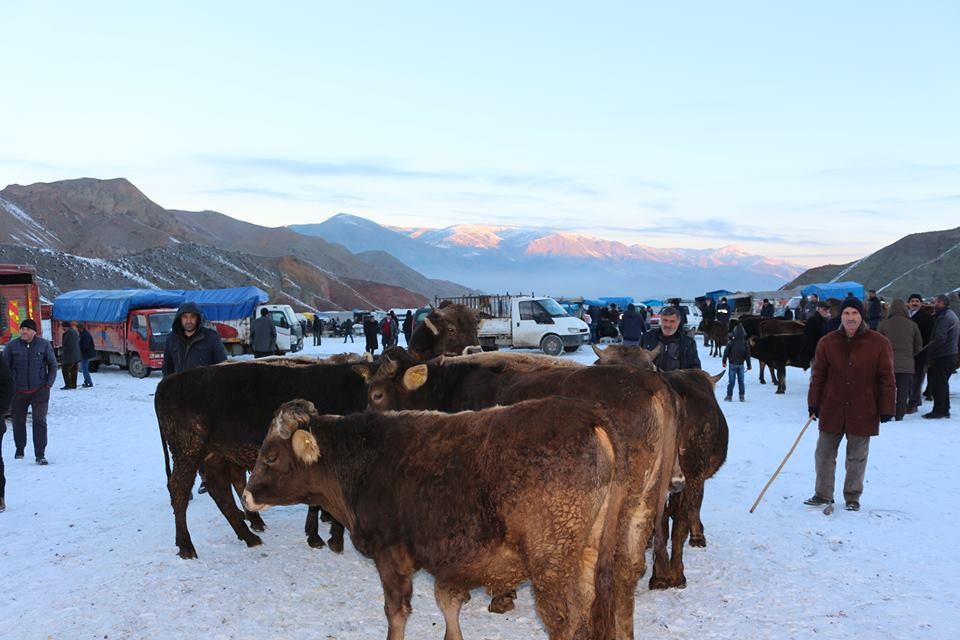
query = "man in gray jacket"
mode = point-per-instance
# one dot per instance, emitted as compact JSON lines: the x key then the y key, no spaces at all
{"x":942,"y":351}
{"x":264,"y":335}
{"x":34,"y":368}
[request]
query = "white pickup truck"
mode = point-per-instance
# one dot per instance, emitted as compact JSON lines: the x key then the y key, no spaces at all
{"x":526,"y":322}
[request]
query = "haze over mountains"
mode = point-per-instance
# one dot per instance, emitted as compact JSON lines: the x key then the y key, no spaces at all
{"x":498,"y":258}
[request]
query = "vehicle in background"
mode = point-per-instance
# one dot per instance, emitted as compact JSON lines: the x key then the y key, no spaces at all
{"x":289,"y":332}
{"x":129,"y":326}
{"x":519,"y":321}
{"x":19,"y":300}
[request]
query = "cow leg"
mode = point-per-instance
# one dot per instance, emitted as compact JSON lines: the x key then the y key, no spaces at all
{"x":450,"y":600}
{"x":238,"y":478}
{"x":781,"y":378}
{"x":312,"y":528}
{"x":218,"y":472}
{"x":693,"y":500}
{"x":336,"y":536}
{"x":396,"y":575}
{"x":658,"y":577}
{"x":679,"y":508}
{"x":763,"y":366}
{"x":179,"y":485}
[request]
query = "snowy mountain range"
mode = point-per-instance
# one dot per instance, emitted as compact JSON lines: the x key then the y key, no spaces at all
{"x":500,"y":258}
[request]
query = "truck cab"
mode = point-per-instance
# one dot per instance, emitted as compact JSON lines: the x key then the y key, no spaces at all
{"x":535,"y":322}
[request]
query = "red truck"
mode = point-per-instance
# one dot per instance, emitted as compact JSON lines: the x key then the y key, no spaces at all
{"x":129,"y":326}
{"x":19,"y":299}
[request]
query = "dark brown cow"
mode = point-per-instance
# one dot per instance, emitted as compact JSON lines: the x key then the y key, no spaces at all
{"x":779,"y":351}
{"x":757,"y":326}
{"x":446,"y":331}
{"x":217,"y":417}
{"x":718,"y":338}
{"x":644,"y":406}
{"x":704,"y":437}
{"x":476,"y":499}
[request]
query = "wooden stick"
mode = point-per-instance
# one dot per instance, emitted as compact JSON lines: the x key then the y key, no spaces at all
{"x":787,"y":457}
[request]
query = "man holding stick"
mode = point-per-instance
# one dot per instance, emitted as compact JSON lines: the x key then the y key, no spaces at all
{"x":852,"y":390}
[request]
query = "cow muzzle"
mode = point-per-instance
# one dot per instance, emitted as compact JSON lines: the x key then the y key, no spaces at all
{"x":252,"y":505}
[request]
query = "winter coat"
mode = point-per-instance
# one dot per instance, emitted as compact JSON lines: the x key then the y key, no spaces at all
{"x":632,"y":325}
{"x":737,"y":350}
{"x":6,"y":393}
{"x":33,"y":364}
{"x":853,"y":382}
{"x":943,"y":342}
{"x":924,"y":322}
{"x":264,"y":335}
{"x":679,"y":351}
{"x":88,"y":350}
{"x":317,"y":327}
{"x":203,"y":348}
{"x":709,"y":312}
{"x":407,"y":326}
{"x":874,"y":311}
{"x":767,"y":310}
{"x":70,"y":349}
{"x":904,"y":337}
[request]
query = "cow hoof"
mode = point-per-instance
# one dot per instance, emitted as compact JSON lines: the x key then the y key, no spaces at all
{"x":502,"y":603}
{"x":657,"y":583}
{"x":780,"y":392}
{"x":336,"y":545}
{"x":253,"y":541}
{"x":698,"y":541}
{"x":187,"y":553}
{"x":763,"y":382}
{"x":256,"y":523}
{"x":316,"y":542}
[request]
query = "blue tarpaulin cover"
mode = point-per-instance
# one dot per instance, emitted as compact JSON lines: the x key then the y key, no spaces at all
{"x":226,"y":304}
{"x":836,"y":290}
{"x":90,"y":305}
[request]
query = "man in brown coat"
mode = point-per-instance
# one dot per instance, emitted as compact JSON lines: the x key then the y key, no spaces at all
{"x":904,"y":336}
{"x":852,"y":390}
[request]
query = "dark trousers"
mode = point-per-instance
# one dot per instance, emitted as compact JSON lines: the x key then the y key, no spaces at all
{"x":919,"y":373}
{"x":938,"y":376}
{"x":37,"y":402}
{"x":3,"y":478}
{"x":262,"y":354}
{"x":348,"y":335}
{"x":904,"y":386}
{"x":69,"y":375}
{"x":316,"y":338}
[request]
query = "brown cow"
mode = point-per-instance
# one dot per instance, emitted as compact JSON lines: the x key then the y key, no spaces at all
{"x":704,"y":437}
{"x":446,"y":331}
{"x":470,"y":498}
{"x":645,"y":440}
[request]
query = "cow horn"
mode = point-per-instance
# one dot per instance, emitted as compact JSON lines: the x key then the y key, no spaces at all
{"x":717,"y":377}
{"x":293,"y":415}
{"x":655,"y":352}
{"x":597,"y":350}
{"x":389,"y":366}
{"x":475,"y":348}
{"x":431,"y":326}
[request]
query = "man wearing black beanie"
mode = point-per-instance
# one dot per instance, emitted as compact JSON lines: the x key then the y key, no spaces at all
{"x":34,"y":367}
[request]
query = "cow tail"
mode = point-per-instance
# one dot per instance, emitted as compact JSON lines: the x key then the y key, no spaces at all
{"x":603,"y":609}
{"x":166,"y":453}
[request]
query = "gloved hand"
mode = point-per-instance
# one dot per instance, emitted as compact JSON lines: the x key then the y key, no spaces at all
{"x":814,"y":412}
{"x":886,"y":418}
{"x":723,"y":364}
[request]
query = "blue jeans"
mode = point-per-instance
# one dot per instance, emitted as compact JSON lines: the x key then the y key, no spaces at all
{"x":735,"y":374}
{"x":85,"y":370}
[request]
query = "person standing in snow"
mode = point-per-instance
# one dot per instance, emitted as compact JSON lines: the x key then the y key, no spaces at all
{"x":737,"y":352}
{"x":88,"y":351}
{"x":70,"y":356}
{"x":317,"y":330}
{"x":33,"y":364}
{"x":407,"y":327}
{"x":370,"y":331}
{"x":264,"y":335}
{"x":677,"y":349}
{"x":6,"y":393}
{"x":874,"y":309}
{"x":942,"y":352}
{"x":904,"y":337}
{"x":852,"y":390}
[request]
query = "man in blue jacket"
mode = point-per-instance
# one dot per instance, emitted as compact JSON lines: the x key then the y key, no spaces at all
{"x":34,"y":367}
{"x":189,"y":343}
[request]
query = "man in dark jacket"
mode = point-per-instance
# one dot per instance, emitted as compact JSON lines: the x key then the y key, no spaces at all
{"x":924,"y":322}
{"x":189,"y":343}
{"x":852,"y":390}
{"x":766,"y":309}
{"x":723,"y":312}
{"x":370,"y":330}
{"x":317,"y":330}
{"x":33,"y":365}
{"x":737,"y":352}
{"x":263,"y":335}
{"x":6,"y":393}
{"x":874,"y":309}
{"x":88,"y":352}
{"x":407,"y":327}
{"x":632,"y":326}
{"x":943,"y":356}
{"x":678,"y":350}
{"x":70,"y":356}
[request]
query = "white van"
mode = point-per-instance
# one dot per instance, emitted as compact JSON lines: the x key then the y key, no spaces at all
{"x":289,"y":332}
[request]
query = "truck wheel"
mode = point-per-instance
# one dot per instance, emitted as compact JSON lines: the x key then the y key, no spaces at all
{"x":137,"y":368}
{"x":551,"y":345}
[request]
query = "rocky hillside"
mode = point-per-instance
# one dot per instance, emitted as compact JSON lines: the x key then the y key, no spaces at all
{"x":89,"y":233}
{"x":924,"y":263}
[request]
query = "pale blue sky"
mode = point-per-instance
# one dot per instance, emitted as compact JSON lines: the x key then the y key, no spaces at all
{"x":808,"y":131}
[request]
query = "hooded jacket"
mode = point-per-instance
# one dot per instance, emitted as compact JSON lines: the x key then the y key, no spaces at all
{"x":203,"y":348}
{"x":904,"y":336}
{"x":853,"y":382}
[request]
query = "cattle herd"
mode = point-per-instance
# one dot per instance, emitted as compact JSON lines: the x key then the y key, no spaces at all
{"x":484,"y":470}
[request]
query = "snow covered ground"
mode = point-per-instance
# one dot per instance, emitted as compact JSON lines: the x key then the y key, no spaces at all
{"x":87,"y":544}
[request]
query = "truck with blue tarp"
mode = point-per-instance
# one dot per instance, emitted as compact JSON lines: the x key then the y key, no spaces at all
{"x":129,"y":326}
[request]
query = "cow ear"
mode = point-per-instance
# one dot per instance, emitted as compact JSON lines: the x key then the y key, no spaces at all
{"x":415,"y":377}
{"x":363,"y":372}
{"x":305,"y":446}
